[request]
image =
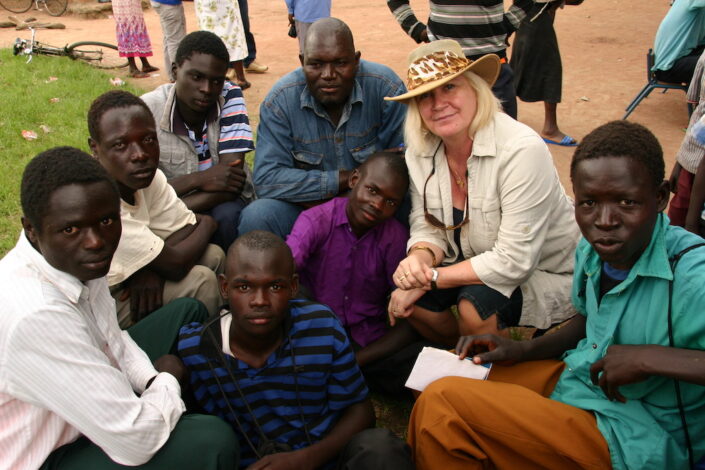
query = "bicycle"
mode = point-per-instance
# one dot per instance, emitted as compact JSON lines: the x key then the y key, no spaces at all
{"x":98,"y":54}
{"x":53,"y":7}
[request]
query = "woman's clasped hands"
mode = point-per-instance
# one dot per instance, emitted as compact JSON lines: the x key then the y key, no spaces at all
{"x":413,"y":279}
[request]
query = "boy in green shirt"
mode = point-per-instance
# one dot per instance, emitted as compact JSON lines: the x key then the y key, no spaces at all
{"x":631,"y":355}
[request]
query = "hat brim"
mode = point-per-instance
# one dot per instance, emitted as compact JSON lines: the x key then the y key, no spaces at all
{"x":486,"y":67}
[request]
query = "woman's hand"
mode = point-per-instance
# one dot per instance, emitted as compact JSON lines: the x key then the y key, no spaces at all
{"x":414,"y":271}
{"x":401,"y":303}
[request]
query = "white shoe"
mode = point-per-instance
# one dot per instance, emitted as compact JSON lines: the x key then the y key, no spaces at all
{"x":254,"y":67}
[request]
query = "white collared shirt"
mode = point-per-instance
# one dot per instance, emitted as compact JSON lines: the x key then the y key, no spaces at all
{"x":66,"y":369}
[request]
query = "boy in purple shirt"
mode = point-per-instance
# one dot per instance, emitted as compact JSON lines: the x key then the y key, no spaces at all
{"x":346,"y":251}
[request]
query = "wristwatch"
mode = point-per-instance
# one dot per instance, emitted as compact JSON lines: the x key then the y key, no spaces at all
{"x":434,"y":278}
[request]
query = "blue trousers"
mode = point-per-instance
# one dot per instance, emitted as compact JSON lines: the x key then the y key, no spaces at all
{"x":227,"y":215}
{"x":271,"y":215}
{"x":249,"y":37}
{"x":504,"y":90}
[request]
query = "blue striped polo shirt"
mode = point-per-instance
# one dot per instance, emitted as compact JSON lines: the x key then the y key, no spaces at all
{"x":329,"y":379}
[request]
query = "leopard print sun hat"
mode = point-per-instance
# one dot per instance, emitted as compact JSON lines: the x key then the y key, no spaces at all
{"x":437,"y":62}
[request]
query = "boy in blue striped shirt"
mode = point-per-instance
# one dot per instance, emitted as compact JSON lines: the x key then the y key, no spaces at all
{"x":281,"y":371}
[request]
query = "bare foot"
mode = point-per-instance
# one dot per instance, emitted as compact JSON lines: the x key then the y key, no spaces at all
{"x":149,"y":68}
{"x":137,"y":74}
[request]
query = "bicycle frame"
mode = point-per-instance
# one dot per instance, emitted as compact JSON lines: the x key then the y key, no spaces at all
{"x":27,"y":47}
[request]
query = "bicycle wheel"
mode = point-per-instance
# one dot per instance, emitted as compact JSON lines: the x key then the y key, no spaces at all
{"x":55,"y":7}
{"x":16,"y":6}
{"x":97,"y":54}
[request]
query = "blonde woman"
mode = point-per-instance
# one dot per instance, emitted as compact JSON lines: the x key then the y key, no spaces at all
{"x":492,"y":230}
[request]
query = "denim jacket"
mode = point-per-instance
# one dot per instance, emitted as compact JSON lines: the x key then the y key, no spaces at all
{"x":299,"y":149}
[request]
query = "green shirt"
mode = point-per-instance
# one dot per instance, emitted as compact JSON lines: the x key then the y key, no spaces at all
{"x":646,"y":431}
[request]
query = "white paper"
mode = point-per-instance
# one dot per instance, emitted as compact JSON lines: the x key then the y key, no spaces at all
{"x":433,"y":364}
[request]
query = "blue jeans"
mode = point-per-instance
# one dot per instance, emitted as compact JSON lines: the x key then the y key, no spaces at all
{"x":271,"y":215}
{"x":227,"y":215}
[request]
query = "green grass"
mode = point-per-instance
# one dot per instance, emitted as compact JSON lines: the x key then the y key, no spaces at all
{"x":25,"y":105}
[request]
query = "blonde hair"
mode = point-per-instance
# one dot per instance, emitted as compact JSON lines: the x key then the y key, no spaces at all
{"x":420,"y":140}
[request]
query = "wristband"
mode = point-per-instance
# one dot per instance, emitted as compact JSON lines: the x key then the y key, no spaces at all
{"x":425,"y":248}
{"x":434,"y":278}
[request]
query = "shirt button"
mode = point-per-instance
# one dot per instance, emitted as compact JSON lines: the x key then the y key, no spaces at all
{"x":346,"y":297}
{"x":594,"y":346}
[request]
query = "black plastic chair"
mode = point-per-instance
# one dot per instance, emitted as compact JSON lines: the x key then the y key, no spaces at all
{"x":651,"y":84}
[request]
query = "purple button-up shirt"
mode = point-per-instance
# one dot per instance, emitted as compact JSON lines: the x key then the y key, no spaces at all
{"x":353,"y":276}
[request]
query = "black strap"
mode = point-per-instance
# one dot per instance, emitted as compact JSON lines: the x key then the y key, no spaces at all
{"x":224,"y":363}
{"x":671,"y":343}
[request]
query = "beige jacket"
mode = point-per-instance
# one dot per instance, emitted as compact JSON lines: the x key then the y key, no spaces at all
{"x":521,"y":231}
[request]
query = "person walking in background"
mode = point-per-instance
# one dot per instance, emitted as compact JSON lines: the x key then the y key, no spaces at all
{"x":173,"y":22}
{"x":302,"y":13}
{"x":222,"y":17}
{"x":249,"y":62}
{"x":132,"y":36}
{"x":538,"y":72}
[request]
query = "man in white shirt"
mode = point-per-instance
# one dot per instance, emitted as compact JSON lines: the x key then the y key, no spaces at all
{"x":76,"y":392}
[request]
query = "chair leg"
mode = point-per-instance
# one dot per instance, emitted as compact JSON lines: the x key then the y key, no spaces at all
{"x":648,"y":88}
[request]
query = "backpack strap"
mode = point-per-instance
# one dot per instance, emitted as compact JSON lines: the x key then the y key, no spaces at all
{"x":674,"y":261}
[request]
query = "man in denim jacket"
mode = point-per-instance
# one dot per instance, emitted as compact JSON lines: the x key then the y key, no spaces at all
{"x":317,"y":124}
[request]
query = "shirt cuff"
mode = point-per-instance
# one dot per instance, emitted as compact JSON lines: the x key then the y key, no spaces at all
{"x":329,"y":184}
{"x":165,"y":393}
{"x":166,"y":380}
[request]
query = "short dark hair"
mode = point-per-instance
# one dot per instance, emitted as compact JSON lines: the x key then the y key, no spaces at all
{"x":623,"y":139}
{"x":107,"y":101}
{"x":394,"y":163}
{"x":203,"y":42}
{"x":53,"y":169}
{"x":261,"y":240}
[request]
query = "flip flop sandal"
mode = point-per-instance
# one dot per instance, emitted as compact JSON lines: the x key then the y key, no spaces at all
{"x":566,"y":141}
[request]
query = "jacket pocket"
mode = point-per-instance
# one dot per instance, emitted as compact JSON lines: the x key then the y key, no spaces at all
{"x":305,"y":160}
{"x":363,"y":152}
{"x":491,"y":214}
{"x":484,"y":221}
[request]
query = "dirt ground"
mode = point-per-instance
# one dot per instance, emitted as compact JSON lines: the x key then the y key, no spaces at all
{"x":603,"y":45}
